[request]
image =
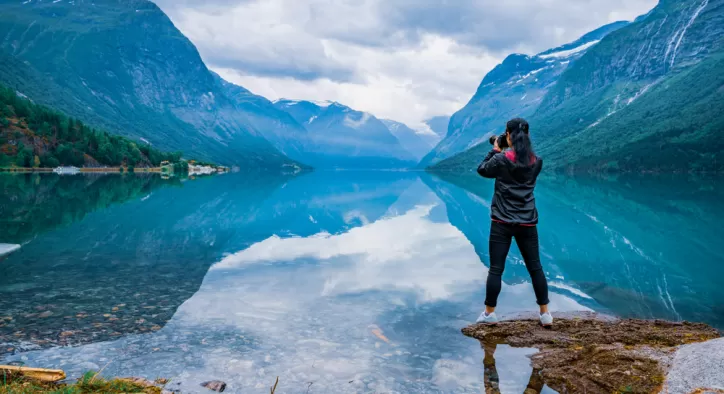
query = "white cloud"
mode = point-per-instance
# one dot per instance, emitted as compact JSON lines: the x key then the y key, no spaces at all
{"x":409,"y":85}
{"x":397,"y":59}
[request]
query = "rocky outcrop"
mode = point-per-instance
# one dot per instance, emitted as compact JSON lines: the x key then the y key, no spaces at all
{"x":598,"y":354}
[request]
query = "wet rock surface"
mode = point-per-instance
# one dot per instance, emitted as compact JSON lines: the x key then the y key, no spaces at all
{"x":597,"y":354}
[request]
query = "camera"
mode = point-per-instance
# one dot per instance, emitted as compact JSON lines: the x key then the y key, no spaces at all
{"x":502,"y":140}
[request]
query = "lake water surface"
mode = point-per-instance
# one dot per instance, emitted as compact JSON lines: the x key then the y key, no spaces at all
{"x":334,"y":281}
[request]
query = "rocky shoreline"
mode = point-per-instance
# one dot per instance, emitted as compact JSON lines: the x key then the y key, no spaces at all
{"x":594,"y":353}
{"x":14,"y":380}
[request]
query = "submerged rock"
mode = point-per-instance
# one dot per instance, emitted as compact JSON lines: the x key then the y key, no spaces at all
{"x":597,"y":354}
{"x":215,"y":385}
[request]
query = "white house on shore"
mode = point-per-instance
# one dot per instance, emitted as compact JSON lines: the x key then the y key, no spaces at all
{"x":66,"y":170}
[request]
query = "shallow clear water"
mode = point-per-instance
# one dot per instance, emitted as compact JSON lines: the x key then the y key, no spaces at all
{"x":335,"y":282}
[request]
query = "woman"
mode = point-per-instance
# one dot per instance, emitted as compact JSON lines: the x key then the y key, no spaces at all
{"x":514,"y":215}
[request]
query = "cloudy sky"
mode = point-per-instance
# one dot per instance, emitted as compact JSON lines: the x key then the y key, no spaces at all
{"x":406,"y":60}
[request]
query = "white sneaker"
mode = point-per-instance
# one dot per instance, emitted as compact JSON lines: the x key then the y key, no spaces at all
{"x":546,"y":319}
{"x":487,"y":319}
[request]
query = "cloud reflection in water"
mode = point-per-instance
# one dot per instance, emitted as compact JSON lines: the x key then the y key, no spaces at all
{"x":378,"y":307}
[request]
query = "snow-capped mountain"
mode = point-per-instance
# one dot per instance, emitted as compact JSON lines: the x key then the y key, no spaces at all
{"x":418,"y":144}
{"x":438,"y":125}
{"x":515,"y":87}
{"x":341,"y":137}
{"x":645,"y":98}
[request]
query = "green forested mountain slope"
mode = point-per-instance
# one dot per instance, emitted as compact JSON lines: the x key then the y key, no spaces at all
{"x":646,"y":98}
{"x":675,"y":127}
{"x":33,"y":135}
{"x":123,"y":66}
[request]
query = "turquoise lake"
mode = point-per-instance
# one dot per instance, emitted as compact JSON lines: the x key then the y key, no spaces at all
{"x":333,"y":281}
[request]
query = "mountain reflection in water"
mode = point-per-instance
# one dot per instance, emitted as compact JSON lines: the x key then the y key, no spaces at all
{"x":336,"y":281}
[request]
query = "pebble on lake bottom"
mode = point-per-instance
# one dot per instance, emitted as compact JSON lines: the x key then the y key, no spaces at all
{"x":215,"y":385}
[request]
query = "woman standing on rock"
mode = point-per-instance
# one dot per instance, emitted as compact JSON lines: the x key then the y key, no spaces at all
{"x":513,"y":214}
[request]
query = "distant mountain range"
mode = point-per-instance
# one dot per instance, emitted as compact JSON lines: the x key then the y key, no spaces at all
{"x":341,"y":137}
{"x":438,"y":125}
{"x":639,"y":96}
{"x":123,"y":66}
{"x":418,"y":144}
{"x":647,"y":97}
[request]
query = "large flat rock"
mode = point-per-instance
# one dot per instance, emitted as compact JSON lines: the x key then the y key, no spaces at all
{"x":590,"y":353}
{"x":697,"y":366}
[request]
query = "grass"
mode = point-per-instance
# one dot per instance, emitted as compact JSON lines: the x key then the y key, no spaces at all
{"x":89,"y":383}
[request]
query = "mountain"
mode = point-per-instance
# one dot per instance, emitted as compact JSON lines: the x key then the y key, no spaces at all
{"x":123,"y":66}
{"x":515,"y":87}
{"x":438,"y":125}
{"x":277,"y":126}
{"x":416,"y":143}
{"x":648,"y":97}
{"x":341,"y":137}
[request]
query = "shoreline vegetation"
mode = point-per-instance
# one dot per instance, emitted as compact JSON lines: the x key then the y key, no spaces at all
{"x":205,"y":169}
{"x":18,"y":382}
{"x":35,"y":138}
{"x":22,"y":380}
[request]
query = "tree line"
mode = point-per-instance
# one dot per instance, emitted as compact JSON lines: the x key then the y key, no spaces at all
{"x":33,"y":135}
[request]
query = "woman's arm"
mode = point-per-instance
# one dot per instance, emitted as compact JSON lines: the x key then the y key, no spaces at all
{"x":490,"y":167}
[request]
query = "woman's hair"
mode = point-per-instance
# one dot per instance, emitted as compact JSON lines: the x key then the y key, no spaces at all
{"x":519,"y":136}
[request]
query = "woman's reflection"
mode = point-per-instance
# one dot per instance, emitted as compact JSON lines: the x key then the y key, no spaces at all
{"x":492,"y":380}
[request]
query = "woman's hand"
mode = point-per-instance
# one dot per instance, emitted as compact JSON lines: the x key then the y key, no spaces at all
{"x":496,"y":147}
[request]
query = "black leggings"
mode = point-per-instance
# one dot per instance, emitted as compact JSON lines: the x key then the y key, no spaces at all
{"x":526,"y":237}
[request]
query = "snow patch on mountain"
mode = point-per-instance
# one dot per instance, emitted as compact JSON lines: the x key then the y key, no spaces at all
{"x":322,"y":103}
{"x":570,"y":52}
{"x":530,"y":74}
{"x":286,"y":102}
{"x":357,"y":123}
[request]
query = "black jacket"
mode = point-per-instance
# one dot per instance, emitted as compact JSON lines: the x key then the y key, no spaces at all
{"x":513,"y":201}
